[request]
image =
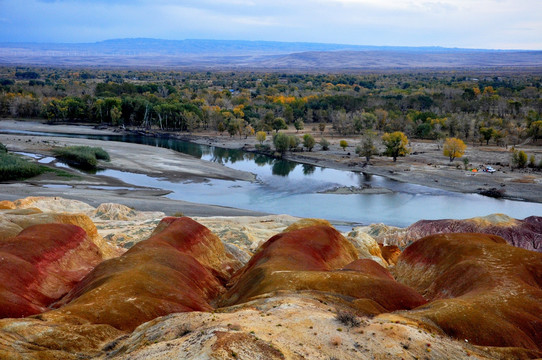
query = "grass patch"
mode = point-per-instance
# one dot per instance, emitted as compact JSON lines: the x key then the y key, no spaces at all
{"x":85,"y":157}
{"x":15,"y":168}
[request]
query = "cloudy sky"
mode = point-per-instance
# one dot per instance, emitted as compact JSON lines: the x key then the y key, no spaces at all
{"x":489,"y":24}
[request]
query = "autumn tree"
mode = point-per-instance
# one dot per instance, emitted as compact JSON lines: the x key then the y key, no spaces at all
{"x":261,"y":136}
{"x":308,"y":141}
{"x":343,"y":144}
{"x":248,"y":130}
{"x":396,"y":144}
{"x":454,"y":148}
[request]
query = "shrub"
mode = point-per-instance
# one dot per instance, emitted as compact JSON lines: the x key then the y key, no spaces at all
{"x":81,"y":156}
{"x":324,"y":144}
{"x":308,"y":141}
{"x":3,"y":149}
{"x":532,"y":161}
{"x":519,"y":158}
{"x":348,"y":319}
{"x":343,"y":144}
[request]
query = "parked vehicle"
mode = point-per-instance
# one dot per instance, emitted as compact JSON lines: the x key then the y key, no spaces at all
{"x":489,"y":169}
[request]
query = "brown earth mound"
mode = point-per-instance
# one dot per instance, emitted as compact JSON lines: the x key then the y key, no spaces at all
{"x":480,"y":289}
{"x":309,"y":259}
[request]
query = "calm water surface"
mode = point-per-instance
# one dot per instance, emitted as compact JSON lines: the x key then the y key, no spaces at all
{"x":285,"y":187}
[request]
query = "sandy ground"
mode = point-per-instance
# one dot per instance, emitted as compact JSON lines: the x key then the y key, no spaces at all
{"x":425,"y":166}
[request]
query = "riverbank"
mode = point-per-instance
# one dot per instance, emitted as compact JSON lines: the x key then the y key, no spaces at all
{"x":426,"y":165}
{"x":96,"y":189}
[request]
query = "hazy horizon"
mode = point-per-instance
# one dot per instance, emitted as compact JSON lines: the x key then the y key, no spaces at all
{"x":486,"y":24}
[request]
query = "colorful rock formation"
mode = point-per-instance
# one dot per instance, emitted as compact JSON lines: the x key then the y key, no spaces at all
{"x":526,"y":234}
{"x":19,"y":219}
{"x":318,"y":258}
{"x":41,"y":264}
{"x":305,"y":293}
{"x":180,"y":268}
{"x":481,"y":289}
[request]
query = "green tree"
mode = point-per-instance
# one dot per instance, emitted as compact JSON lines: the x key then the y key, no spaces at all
{"x":487,"y":133}
{"x":532,"y":161}
{"x":396,"y":144}
{"x":308,"y":141}
{"x":454,"y":148}
{"x":288,"y":114}
{"x":281,"y":142}
{"x":293,"y":142}
{"x":535,"y":130}
{"x":299,"y":125}
{"x":279,"y":124}
{"x":367,"y":146}
{"x":343,"y":144}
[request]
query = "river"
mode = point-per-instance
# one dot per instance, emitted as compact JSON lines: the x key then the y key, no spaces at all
{"x":286,"y":187}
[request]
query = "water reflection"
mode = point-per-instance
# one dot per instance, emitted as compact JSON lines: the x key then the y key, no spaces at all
{"x":308,"y":169}
{"x":283,"y":167}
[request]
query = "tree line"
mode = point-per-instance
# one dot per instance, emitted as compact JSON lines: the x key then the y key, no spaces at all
{"x":502,"y":109}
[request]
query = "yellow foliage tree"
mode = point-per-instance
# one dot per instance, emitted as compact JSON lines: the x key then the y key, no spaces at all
{"x":261,"y":136}
{"x":454,"y":148}
{"x":396,"y":144}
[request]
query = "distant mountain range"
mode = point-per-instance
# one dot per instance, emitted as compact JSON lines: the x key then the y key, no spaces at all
{"x":258,"y":55}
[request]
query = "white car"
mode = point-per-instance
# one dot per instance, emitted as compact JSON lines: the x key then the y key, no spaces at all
{"x":489,"y":169}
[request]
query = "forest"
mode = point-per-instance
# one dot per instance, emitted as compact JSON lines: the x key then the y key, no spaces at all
{"x":500,"y":107}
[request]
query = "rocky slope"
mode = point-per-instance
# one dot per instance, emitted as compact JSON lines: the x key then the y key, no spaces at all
{"x":258,"y":288}
{"x":526,"y":233}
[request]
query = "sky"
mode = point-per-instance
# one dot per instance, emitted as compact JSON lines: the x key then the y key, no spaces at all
{"x":483,"y":24}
